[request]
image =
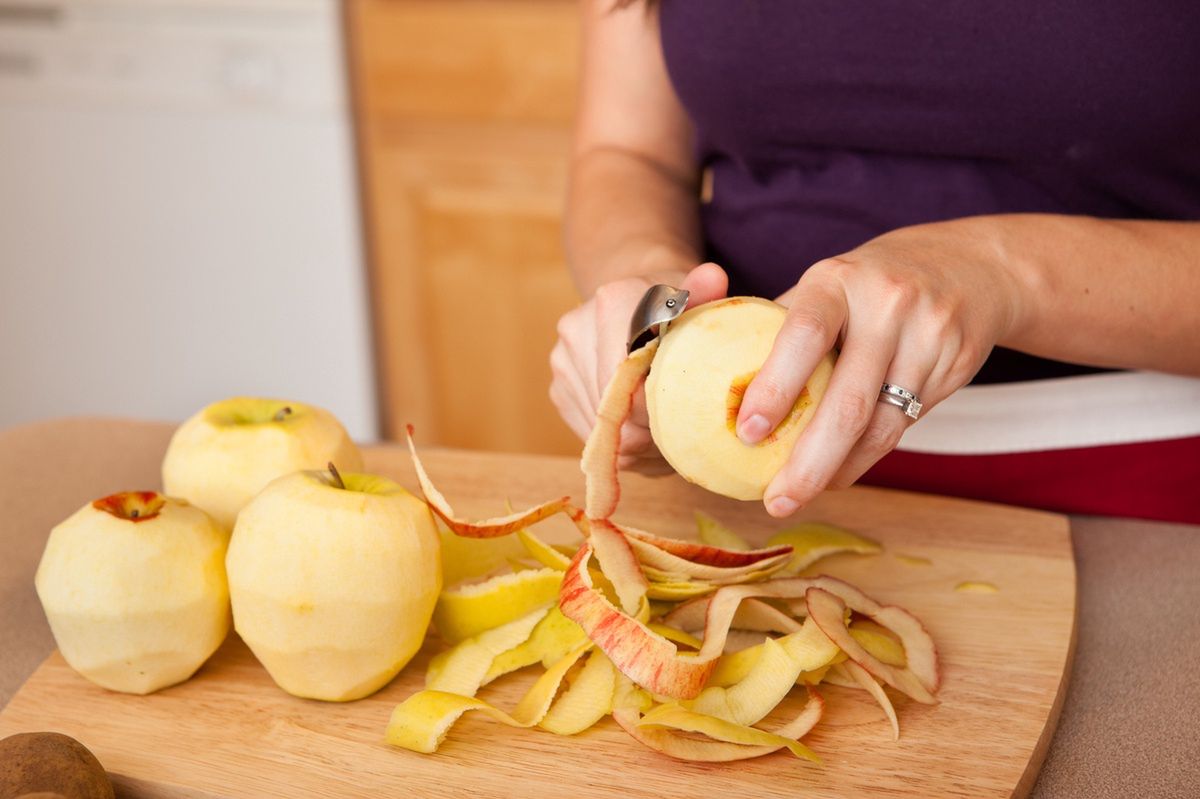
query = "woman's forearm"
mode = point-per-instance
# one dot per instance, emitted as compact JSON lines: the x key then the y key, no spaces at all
{"x":628,"y":216}
{"x":1116,"y":293}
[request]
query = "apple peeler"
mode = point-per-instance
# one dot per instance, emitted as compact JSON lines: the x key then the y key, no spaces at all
{"x":658,"y":306}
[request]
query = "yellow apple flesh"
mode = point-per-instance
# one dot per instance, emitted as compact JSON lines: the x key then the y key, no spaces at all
{"x":333,"y":588}
{"x":134,"y":588}
{"x":225,"y":454}
{"x":694,"y":390}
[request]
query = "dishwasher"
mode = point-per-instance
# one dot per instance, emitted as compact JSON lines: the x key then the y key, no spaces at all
{"x":179,"y":214}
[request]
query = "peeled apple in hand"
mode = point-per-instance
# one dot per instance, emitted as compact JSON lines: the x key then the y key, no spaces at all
{"x":704,"y":362}
{"x":134,"y":588}
{"x":333,"y":580}
{"x":225,"y":454}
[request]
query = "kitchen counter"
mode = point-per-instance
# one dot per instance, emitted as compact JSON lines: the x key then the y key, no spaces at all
{"x":1129,"y":726}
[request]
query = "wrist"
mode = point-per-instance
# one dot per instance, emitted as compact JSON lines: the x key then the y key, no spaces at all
{"x":1010,"y":243}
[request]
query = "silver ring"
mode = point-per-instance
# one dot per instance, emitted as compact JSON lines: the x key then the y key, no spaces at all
{"x":902,"y":398}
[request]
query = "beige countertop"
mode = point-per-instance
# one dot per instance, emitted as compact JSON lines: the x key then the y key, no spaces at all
{"x":1130,"y":725}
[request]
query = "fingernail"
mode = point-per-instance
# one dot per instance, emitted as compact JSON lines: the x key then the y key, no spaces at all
{"x":782,"y":506}
{"x":754,"y":429}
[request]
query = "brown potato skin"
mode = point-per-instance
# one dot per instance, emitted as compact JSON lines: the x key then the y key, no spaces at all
{"x":49,"y":764}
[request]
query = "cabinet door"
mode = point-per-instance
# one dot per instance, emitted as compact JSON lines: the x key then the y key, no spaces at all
{"x":464,"y":111}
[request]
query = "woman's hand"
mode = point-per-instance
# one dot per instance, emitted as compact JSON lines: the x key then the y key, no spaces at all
{"x":591,"y":343}
{"x":919,"y":307}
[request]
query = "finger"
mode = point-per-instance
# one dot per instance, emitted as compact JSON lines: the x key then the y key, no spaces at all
{"x":568,"y":394}
{"x":705,"y":283}
{"x":810,"y":331}
{"x":575,"y":333}
{"x":610,"y":330}
{"x":635,"y":440}
{"x":566,"y":371}
{"x":910,"y":370}
{"x":841,"y":418}
{"x":568,"y":411}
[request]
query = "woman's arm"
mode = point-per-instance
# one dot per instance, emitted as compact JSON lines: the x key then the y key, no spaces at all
{"x":1103,"y":292}
{"x":632,"y":209}
{"x":632,"y":203}
{"x":921,"y":307}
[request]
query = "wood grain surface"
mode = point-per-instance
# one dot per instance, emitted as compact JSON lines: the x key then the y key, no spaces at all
{"x":463,"y":113}
{"x":230,"y":732}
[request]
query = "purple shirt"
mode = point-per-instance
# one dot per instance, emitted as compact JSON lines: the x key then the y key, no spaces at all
{"x":826,"y":123}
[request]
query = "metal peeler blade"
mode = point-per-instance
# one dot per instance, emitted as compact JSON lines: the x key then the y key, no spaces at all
{"x":659,"y":305}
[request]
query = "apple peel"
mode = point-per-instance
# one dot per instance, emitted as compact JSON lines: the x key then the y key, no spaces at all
{"x":422,"y":721}
{"x":603,"y":612}
{"x":647,"y":658}
{"x":599,"y":461}
{"x":482,"y":528}
{"x":703,"y":554}
{"x":752,"y":614}
{"x":588,"y":699}
{"x":464,"y":668}
{"x":471,"y":559}
{"x":919,"y":649}
{"x":651,"y":555}
{"x":553,"y":637}
{"x":812,"y":541}
{"x":713,"y":533}
{"x":828,"y":611}
{"x":542,"y":552}
{"x":774,"y":673}
{"x":678,"y":591}
{"x":867,"y":682}
{"x":883,"y":647}
{"x":619,"y":564}
{"x":630,"y":701}
{"x":675,"y":717}
{"x":468,"y":610}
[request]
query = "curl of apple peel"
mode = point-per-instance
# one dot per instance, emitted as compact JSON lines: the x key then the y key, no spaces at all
{"x":482,"y":528}
{"x":421,"y":722}
{"x":467,"y":610}
{"x":726,"y":742}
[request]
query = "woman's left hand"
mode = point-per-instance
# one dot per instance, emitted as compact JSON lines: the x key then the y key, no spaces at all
{"x":919,"y":307}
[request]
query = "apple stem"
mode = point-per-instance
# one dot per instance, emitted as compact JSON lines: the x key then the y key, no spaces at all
{"x":133,"y":514}
{"x":337,"y":477}
{"x":283,"y":413}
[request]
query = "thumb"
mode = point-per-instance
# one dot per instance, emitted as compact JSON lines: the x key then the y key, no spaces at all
{"x":707,"y":282}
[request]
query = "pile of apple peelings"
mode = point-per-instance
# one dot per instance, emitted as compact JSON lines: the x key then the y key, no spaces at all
{"x":690,"y":647}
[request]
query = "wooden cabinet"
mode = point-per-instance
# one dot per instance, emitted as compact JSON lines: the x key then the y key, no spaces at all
{"x":463,"y":111}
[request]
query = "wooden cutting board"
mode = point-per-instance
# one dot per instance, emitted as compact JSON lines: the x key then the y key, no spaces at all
{"x":1006,"y":656}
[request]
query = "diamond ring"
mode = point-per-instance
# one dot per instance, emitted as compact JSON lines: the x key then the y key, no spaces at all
{"x":902,"y":398}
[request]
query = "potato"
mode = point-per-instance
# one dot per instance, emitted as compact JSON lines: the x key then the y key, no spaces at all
{"x":48,"y":764}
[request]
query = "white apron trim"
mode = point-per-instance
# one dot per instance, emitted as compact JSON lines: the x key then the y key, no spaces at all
{"x":1060,"y":413}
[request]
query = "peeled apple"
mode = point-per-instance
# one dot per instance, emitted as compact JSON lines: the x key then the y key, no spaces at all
{"x":333,"y":582}
{"x":705,"y":361}
{"x":134,"y":588}
{"x":228,"y":451}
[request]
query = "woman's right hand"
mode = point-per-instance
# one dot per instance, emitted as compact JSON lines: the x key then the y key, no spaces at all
{"x":591,"y":344}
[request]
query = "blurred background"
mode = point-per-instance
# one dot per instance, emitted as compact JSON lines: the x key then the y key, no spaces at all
{"x":355,"y":204}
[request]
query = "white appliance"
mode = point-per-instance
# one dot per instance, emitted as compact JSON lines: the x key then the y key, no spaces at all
{"x":178,"y":210}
